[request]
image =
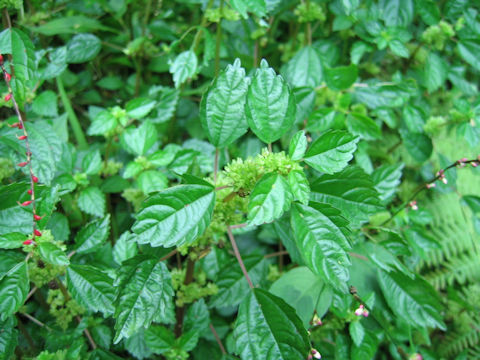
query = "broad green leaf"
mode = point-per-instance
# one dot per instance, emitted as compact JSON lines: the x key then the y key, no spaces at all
{"x":144,"y":291}
{"x":138,"y":141}
{"x":257,"y":7}
{"x":8,"y":338}
{"x":92,"y":162}
{"x":386,"y":179}
{"x":197,"y":317}
{"x":351,"y":191}
{"x":470,"y":52}
{"x":232,"y":285}
{"x":332,"y":151}
{"x":175,"y":216}
{"x":299,"y":186}
{"x":342,"y":77}
{"x":384,"y":259}
{"x":69,"y":25}
{"x":419,"y":146}
{"x":125,"y":248}
{"x":56,"y":63}
{"x":357,"y":332}
{"x":183,"y":67}
{"x":52,"y":254}
{"x":473,"y":202}
{"x":428,"y":11}
{"x":92,"y":288}
{"x":298,"y":145}
{"x":397,"y":12}
{"x":139,"y":108}
{"x":103,"y":123}
{"x":268,"y":328}
{"x":151,"y":181}
{"x":413,"y":118}
{"x":368,"y":347}
{"x":11,"y":240}
{"x":166,"y":104}
{"x":45,"y":104}
{"x":399,"y":48}
{"x":92,"y":201}
{"x":15,"y":42}
{"x":421,"y":242}
{"x":14,"y":218}
{"x":270,"y":106}
{"x":269,"y":199}
{"x":92,"y":236}
{"x":363,"y":126}
{"x":305,"y":68}
{"x":222,"y":109}
{"x":435,"y":72}
{"x":159,"y":339}
{"x":137,"y":345}
{"x":321,"y":236}
{"x":111,"y":83}
{"x":82,"y":48}
{"x":376,"y":95}
{"x":413,"y":300}
{"x":13,"y":290}
{"x":301,"y":289}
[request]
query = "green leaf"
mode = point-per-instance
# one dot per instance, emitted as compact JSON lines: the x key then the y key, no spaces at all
{"x":473,"y":202}
{"x":257,"y":7}
{"x":138,"y":141}
{"x":386,"y":179}
{"x":69,"y":25}
{"x":305,"y":68}
{"x":159,"y":339}
{"x":125,"y":248}
{"x":413,"y":300}
{"x":399,"y":48}
{"x":435,"y":72}
{"x":103,"y":123}
{"x":342,"y":77}
{"x":299,"y":186}
{"x":92,"y":236}
{"x":332,"y":151}
{"x":470,"y":52}
{"x":92,"y":162}
{"x":14,"y":218}
{"x":357,"y":332}
{"x":166,"y":104}
{"x":151,"y":181}
{"x":183,"y":67}
{"x":144,"y":293}
{"x":421,"y":242}
{"x":414,"y":118}
{"x":82,"y":48}
{"x":92,"y":288}
{"x":270,"y":198}
{"x":14,"y":288}
{"x":11,"y":240}
{"x":232,"y":285}
{"x":270,"y":106}
{"x":384,"y":259}
{"x":139,"y":108}
{"x":175,"y":216}
{"x":301,"y":289}
{"x":363,"y":126}
{"x":321,"y":236}
{"x":45,"y":104}
{"x":351,"y":191}
{"x":397,"y":12}
{"x":428,"y":11}
{"x":15,"y":42}
{"x":298,"y":145}
{"x":92,"y":201}
{"x":419,"y":146}
{"x":8,"y":338}
{"x":52,"y":254}
{"x":368,"y":347}
{"x":222,"y":109}
{"x":268,"y":328}
{"x":197,"y":317}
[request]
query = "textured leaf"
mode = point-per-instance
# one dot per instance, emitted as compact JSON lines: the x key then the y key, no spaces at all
{"x":92,"y":162}
{"x":332,"y":151}
{"x":298,"y":145}
{"x":52,"y":254}
{"x":8,"y":338}
{"x":232,"y":285}
{"x":82,"y":48}
{"x":151,"y":181}
{"x":139,"y":108}
{"x":397,"y":12}
{"x":473,"y":202}
{"x":144,"y":291}
{"x":222,"y":110}
{"x":270,"y":106}
{"x":413,"y":300}
{"x":368,"y":347}
{"x":321,"y":236}
{"x":175,"y":216}
{"x":15,"y":42}
{"x":92,"y":236}
{"x":351,"y":191}
{"x":125,"y":248}
{"x":268,"y":328}
{"x":138,"y":141}
{"x":299,"y":186}
{"x":11,"y":240}
{"x":13,"y":290}
{"x":270,"y":198}
{"x":92,"y":201}
{"x":305,"y":68}
{"x":384,"y":259}
{"x":470,"y":52}
{"x":363,"y":126}
{"x":386,"y":179}
{"x":419,"y":146}
{"x":257,"y":7}
{"x":45,"y":104}
{"x":342,"y":77}
{"x":357,"y":332}
{"x":91,"y":288}
{"x":413,"y":118}
{"x":167,"y":99}
{"x":14,"y":218}
{"x":159,"y":339}
{"x":197,"y":317}
{"x":104,"y":122}
{"x":183,"y":67}
{"x":435,"y":72}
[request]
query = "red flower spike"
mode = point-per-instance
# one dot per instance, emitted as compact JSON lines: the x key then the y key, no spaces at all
{"x":37,"y":233}
{"x":30,"y":191}
{"x":21,"y":137}
{"x":17,"y":124}
{"x":8,"y":77}
{"x":1,"y":59}
{"x":34,"y":179}
{"x":26,"y":203}
{"x":37,"y":217}
{"x":22,"y":164}
{"x":8,"y":97}
{"x":28,"y":242}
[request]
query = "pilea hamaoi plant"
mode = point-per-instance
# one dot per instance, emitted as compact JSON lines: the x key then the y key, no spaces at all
{"x":233,"y":179}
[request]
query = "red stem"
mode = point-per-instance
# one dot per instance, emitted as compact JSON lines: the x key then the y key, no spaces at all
{"x":239,"y":257}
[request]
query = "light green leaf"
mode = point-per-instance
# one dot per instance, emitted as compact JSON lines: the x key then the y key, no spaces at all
{"x":351,"y":191}
{"x":257,"y":7}
{"x":103,"y":123}
{"x":413,"y":300}
{"x":14,"y":218}
{"x":368,"y":347}
{"x":151,"y":181}
{"x":298,"y":145}
{"x":428,"y":11}
{"x":197,"y":317}
{"x":92,"y":236}
{"x":419,"y":146}
{"x":342,"y":77}
{"x":399,"y":48}
{"x":8,"y":338}
{"x":222,"y":110}
{"x":183,"y":67}
{"x":15,"y":42}
{"x":92,"y":201}
{"x":321,"y":236}
{"x":69,"y":25}
{"x":125,"y":248}
{"x":363,"y":126}
{"x":11,"y":240}
{"x":268,"y":328}
{"x":82,"y":48}
{"x":470,"y":52}
{"x":139,"y":108}
{"x":92,"y":288}
{"x":397,"y":12}
{"x":435,"y":72}
{"x":166,"y":104}
{"x":138,"y":141}
{"x":270,"y":104}
{"x":473,"y":202}
{"x":299,"y":186}
{"x":332,"y":151}
{"x":357,"y":332}
{"x":13,"y":290}
{"x":414,"y":118}
{"x":270,"y":198}
{"x":386,"y":179}
{"x":159,"y":339}
{"x":52,"y":254}
{"x":45,"y":104}
{"x":175,"y":216}
{"x":305,"y":68}
{"x":92,"y":162}
{"x":384,"y":259}
{"x":144,"y":293}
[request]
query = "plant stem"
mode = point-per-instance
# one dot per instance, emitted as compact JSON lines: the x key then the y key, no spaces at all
{"x":72,"y":118}
{"x":215,"y":166}
{"x":180,"y":313}
{"x":196,"y":39}
{"x":218,"y":41}
{"x":239,"y":257}
{"x":219,"y":341}
{"x":26,"y":334}
{"x":36,"y":321}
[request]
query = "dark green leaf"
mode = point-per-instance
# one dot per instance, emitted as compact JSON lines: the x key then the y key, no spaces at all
{"x":15,"y":42}
{"x":386,"y":179}
{"x":435,"y":72}
{"x":363,"y":126}
{"x":357,"y":332}
{"x":13,"y":290}
{"x":11,"y":240}
{"x":52,"y":254}
{"x":473,"y":202}
{"x":69,"y":25}
{"x":92,"y":236}
{"x":45,"y":104}
{"x":92,"y":201}
{"x":82,"y":48}
{"x":8,"y":338}
{"x":138,"y":141}
{"x":159,"y":339}
{"x":305,"y":68}
{"x":470,"y":52}
{"x":342,"y":77}
{"x":419,"y":146}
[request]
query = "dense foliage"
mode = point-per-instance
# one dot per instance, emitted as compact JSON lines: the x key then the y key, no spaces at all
{"x":253,"y":179}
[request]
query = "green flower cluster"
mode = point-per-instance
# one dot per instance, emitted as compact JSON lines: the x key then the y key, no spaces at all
{"x":6,"y":168}
{"x":111,"y":168}
{"x":437,"y":35}
{"x":134,"y":196}
{"x":187,"y":294}
{"x":309,"y":12}
{"x":63,"y":311}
